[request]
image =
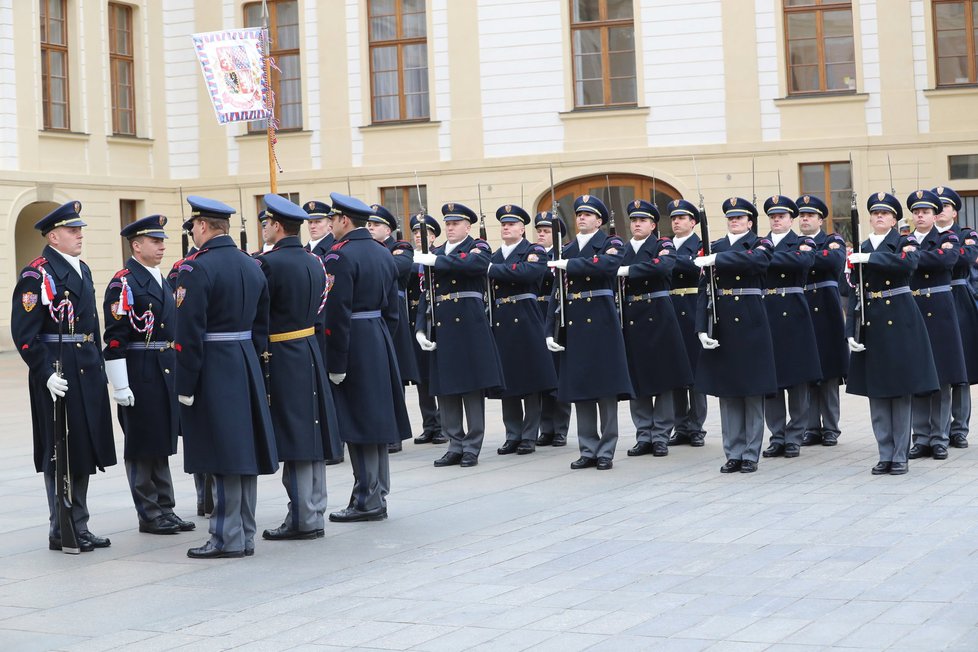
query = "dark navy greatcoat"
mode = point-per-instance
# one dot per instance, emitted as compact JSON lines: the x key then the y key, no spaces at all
{"x":897,"y":360}
{"x":363,"y":280}
{"x":795,"y":348}
{"x":404,"y":341}
{"x":743,"y":364}
{"x":825,"y":305}
{"x":152,"y":422}
{"x":517,"y":321}
{"x":90,"y":442}
{"x":651,"y":328}
{"x":303,"y":414}
{"x":594,"y":363}
{"x":940,"y":316}
{"x":964,"y":302}
{"x":466,"y":359}
{"x":686,"y":277}
{"x":228,"y":429}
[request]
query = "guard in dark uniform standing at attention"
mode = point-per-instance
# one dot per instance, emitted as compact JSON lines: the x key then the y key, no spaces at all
{"x":737,"y":363}
{"x":140,"y":320}
{"x":54,"y":288}
{"x":300,"y":401}
{"x":362,"y":310}
{"x":592,"y":362}
{"x":222,"y":326}
{"x":516,"y":272}
{"x":464,"y":362}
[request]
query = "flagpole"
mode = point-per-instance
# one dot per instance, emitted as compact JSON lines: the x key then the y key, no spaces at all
{"x":269,"y":123}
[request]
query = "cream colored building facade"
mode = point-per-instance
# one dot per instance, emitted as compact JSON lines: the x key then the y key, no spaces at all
{"x":710,"y":81}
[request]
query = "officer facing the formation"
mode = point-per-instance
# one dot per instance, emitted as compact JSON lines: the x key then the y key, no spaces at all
{"x":382,"y":224}
{"x":460,"y":374}
{"x":554,"y":415}
{"x":299,"y":397}
{"x":427,"y":403}
{"x":54,"y":293}
{"x":516,"y":272}
{"x":880,"y":367}
{"x":690,"y":404}
{"x":140,"y":319}
{"x":795,"y":348}
{"x":825,"y":308}
{"x":362,"y":310}
{"x":651,"y":327}
{"x":222,"y":326}
{"x":592,"y":362}
{"x":931,"y":284}
{"x":737,"y":362}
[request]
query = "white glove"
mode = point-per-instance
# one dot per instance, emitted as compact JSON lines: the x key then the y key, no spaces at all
{"x":425,"y":259}
{"x":558,"y":264}
{"x":553,"y":346}
{"x":424,"y":342}
{"x":858,"y":258}
{"x":623,"y":271}
{"x":58,"y":386}
{"x":186,"y":400}
{"x":707,"y":341}
{"x":124,"y":397}
{"x":855,"y":346}
{"x":336,"y":379}
{"x":705,"y":261}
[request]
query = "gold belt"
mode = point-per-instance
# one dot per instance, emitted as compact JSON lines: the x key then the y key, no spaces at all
{"x":292,"y":335}
{"x":684,"y":291}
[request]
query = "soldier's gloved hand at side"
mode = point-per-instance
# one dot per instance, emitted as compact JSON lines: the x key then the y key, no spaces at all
{"x":425,"y":259}
{"x":705,"y":261}
{"x":855,"y":346}
{"x":336,"y":379}
{"x":118,"y":374}
{"x":558,"y":264}
{"x":58,"y":386}
{"x":124,"y":397}
{"x":553,"y":346}
{"x":424,"y":342}
{"x":186,"y":400}
{"x":707,"y":341}
{"x":623,"y":271}
{"x":856,"y":258}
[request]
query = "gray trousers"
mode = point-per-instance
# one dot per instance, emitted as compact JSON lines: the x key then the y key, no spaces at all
{"x":823,"y":407}
{"x":787,"y":427}
{"x":593,"y":444}
{"x":654,"y":417}
{"x":430,"y":419}
{"x":232,"y":526}
{"x":451,"y":410}
{"x":305,"y":483}
{"x":960,"y":411}
{"x":891,"y":425}
{"x":79,"y":503}
{"x":554,"y":415}
{"x":521,"y":417}
{"x":371,"y":476}
{"x":151,"y":487}
{"x":690,"y":408}
{"x":931,"y":416}
{"x":742,"y":426}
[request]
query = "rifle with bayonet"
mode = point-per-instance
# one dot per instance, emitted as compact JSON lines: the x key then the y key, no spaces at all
{"x":244,"y":228}
{"x":184,"y":236}
{"x":711,"y":283}
{"x":62,"y":463}
{"x":482,"y":234}
{"x":619,"y":282}
{"x":428,"y":273}
{"x":560,"y":323}
{"x":860,"y":309}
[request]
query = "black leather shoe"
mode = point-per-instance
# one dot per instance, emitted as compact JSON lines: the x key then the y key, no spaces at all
{"x":439,"y":438}
{"x":604,"y":463}
{"x":881,"y":468}
{"x":679,"y":439}
{"x":830,"y":439}
{"x":508,"y":448}
{"x":659,"y":449}
{"x":696,"y":439}
{"x":731,"y":466}
{"x":353,"y":515}
{"x":449,"y":459}
{"x":469,"y":459}
{"x":159,"y":525}
{"x":285,"y":533}
{"x":526,"y":447}
{"x":559,"y":440}
{"x":774,"y":450}
{"x":185,"y":526}
{"x":55,"y":544}
{"x":208,"y":551}
{"x":425,"y":438}
{"x":545,"y":439}
{"x":939,"y":451}
{"x":792,"y":450}
{"x":898,"y":468}
{"x":333,"y":461}
{"x":249,"y":552}
{"x":641,"y":448}
{"x":748,"y":466}
{"x":919,"y":450}
{"x":395,"y":448}
{"x":97,"y":542}
{"x":811,"y":439}
{"x":959,"y":441}
{"x":583,"y":463}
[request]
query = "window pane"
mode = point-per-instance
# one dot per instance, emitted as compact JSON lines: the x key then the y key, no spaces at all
{"x":57,"y":64}
{"x":415,"y":56}
{"x":416,"y":80}
{"x":382,"y":7}
{"x":252,"y":15}
{"x":964,"y":166}
{"x":952,"y":70}
{"x":623,"y":64}
{"x":804,"y":78}
{"x":385,"y":108}
{"x":384,"y":59}
{"x":59,"y":117}
{"x":840,"y":76}
{"x":385,"y":83}
{"x":287,"y":26}
{"x":802,"y":52}
{"x":837,"y":23}
{"x":949,"y":15}
{"x":586,"y":11}
{"x":383,"y":28}
{"x":587,"y":41}
{"x":414,"y":26}
{"x":623,"y":91}
{"x":840,"y":49}
{"x":621,"y":38}
{"x":798,"y":3}
{"x":588,"y":66}
{"x":416,"y":106}
{"x":801,"y":25}
{"x":619,"y":9}
{"x":840,"y":176}
{"x":813,"y":180}
{"x":590,"y":93}
{"x":952,"y":43}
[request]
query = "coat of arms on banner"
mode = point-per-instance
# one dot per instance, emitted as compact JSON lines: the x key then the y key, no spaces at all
{"x":234,"y":71}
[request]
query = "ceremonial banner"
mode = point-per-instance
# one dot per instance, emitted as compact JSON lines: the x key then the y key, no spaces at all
{"x":234,"y":72}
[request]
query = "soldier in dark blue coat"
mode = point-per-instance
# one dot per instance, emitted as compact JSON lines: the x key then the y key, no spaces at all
{"x":592,"y":362}
{"x":516,"y":272}
{"x":737,"y":362}
{"x":464,"y":362}
{"x":554,"y":415}
{"x":300,"y":401}
{"x":825,"y":308}
{"x":651,"y":328}
{"x":690,"y":404}
{"x":795,"y":346}
{"x":222,"y":326}
{"x":931,"y":285}
{"x":893,"y":360}
{"x":362,"y":311}
{"x":140,"y":319}
{"x":56,"y":288}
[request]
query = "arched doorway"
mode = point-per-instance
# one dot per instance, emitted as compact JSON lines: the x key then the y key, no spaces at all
{"x":616,"y":191}
{"x":28,"y":242}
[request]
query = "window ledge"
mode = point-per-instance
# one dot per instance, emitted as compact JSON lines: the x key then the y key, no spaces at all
{"x":130,"y":140}
{"x":407,"y":124}
{"x":283,"y":133}
{"x":951,"y":90}
{"x":63,"y":135}
{"x":610,"y":112}
{"x":822,"y":98}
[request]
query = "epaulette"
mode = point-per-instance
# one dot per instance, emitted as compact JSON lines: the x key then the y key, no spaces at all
{"x":37,"y":262}
{"x":538,"y":248}
{"x":122,"y":272}
{"x":177,"y":264}
{"x":194,"y":255}
{"x":339,"y":245}
{"x":666,"y":243}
